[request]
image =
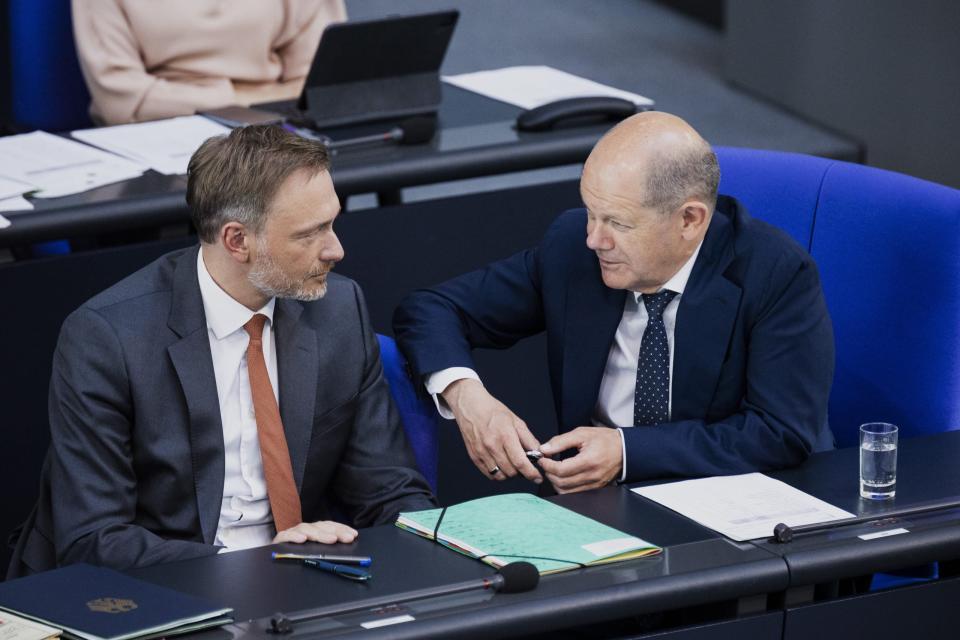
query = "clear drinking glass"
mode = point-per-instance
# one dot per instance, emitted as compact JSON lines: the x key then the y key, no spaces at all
{"x":878,"y":460}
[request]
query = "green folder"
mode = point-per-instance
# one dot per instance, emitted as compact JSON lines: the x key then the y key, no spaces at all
{"x":519,"y":526}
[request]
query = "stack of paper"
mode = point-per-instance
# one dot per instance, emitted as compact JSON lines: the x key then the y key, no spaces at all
{"x":50,"y":166}
{"x":164,"y":145}
{"x":744,"y":507}
{"x":11,"y":199}
{"x":532,"y":86}
{"x":94,"y":603}
{"x":521,"y":527}
{"x":16,"y":628}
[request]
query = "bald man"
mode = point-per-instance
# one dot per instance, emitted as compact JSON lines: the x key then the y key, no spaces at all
{"x":685,"y":338}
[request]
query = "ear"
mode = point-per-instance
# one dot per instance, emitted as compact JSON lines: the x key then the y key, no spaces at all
{"x":694,"y":216}
{"x":237,"y":241}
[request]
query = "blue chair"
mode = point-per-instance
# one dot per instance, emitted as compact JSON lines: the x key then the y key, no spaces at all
{"x":47,"y":90}
{"x":417,"y":412}
{"x":888,"y":249}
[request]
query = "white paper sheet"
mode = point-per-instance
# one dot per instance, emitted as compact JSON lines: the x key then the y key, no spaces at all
{"x":4,"y":223}
{"x":531,"y":86}
{"x":13,"y":188}
{"x":58,"y":166}
{"x":16,"y":203}
{"x":743,"y":507}
{"x":163,"y":145}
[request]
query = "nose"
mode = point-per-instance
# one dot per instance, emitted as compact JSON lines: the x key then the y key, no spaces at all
{"x":333,"y":250}
{"x":596,"y":238}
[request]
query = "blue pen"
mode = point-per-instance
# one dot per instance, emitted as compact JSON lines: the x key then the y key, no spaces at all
{"x":342,"y":570}
{"x":363,"y":561}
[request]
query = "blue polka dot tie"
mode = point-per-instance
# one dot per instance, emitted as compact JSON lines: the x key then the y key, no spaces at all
{"x":652,"y":396}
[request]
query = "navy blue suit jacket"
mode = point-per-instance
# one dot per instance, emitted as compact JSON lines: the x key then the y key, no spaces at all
{"x":753,"y":356}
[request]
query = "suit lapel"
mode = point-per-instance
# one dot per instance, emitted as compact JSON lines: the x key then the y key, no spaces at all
{"x":705,"y":320}
{"x":193,"y":364}
{"x":298,"y":368}
{"x":592,"y":316}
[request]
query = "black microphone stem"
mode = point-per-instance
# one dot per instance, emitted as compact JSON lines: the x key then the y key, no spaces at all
{"x":281,"y":623}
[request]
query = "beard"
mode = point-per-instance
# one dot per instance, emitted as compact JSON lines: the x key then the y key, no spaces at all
{"x":270,"y":279}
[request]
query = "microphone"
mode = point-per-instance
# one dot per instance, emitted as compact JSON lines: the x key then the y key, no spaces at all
{"x":410,"y":131}
{"x":515,"y":577}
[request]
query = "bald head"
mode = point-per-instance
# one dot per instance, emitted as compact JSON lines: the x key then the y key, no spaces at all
{"x":650,"y":187}
{"x":658,"y":157}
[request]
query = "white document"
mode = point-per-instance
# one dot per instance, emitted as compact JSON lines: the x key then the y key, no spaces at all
{"x":743,"y":507}
{"x":14,"y":627}
{"x":56,"y":166}
{"x":16,"y":203}
{"x":163,"y":145}
{"x":531,"y":86}
{"x":4,"y":223}
{"x":12,"y":188}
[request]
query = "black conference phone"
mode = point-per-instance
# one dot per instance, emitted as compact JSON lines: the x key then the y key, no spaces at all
{"x":575,"y":111}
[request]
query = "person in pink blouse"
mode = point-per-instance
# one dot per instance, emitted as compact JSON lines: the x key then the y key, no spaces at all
{"x":146,"y":60}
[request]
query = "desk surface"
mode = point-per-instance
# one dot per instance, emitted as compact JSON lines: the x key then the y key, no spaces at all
{"x":696,"y":567}
{"x":475,"y":138}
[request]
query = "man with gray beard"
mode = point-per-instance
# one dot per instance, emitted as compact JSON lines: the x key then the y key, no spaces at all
{"x":226,"y":396}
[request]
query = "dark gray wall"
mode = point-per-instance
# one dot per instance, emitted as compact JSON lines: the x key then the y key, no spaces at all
{"x":886,"y":72}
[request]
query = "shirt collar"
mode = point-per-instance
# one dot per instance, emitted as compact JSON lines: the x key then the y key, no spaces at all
{"x":224,"y":314}
{"x":679,"y":280}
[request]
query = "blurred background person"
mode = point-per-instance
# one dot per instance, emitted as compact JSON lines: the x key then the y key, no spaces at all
{"x":146,"y":60}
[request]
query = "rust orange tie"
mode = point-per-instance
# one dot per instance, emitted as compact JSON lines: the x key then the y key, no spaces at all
{"x":277,"y":470}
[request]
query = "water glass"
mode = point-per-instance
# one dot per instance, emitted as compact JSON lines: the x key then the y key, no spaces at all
{"x":878,"y":460}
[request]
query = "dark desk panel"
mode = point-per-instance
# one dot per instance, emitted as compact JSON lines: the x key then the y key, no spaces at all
{"x":927,"y":473}
{"x":475,"y":138}
{"x":703,"y":570}
{"x":927,"y":612}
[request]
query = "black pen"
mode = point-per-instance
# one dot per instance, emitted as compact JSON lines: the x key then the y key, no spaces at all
{"x":342,"y":570}
{"x":363,"y":561}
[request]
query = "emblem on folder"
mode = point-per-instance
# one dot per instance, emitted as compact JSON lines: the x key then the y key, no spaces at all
{"x":112,"y":605}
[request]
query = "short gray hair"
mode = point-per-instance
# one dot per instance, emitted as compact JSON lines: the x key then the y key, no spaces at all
{"x":682,"y":175}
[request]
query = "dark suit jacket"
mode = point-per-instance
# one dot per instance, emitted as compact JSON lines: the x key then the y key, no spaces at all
{"x":135,"y":471}
{"x":753,"y":356}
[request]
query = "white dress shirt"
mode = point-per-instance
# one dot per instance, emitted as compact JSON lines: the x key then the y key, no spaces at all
{"x":245,"y":517}
{"x":615,"y":399}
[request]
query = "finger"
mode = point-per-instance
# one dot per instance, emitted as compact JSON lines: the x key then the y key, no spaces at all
{"x":290,"y":535}
{"x":527,"y":439}
{"x":483,"y":464}
{"x":502,"y":459}
{"x":315,"y":532}
{"x":562,"y":442}
{"x":343,"y":532}
{"x":568,"y":467}
{"x":572,"y":484}
{"x":518,"y":457}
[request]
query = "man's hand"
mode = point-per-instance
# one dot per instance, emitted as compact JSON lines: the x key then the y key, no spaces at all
{"x":496,"y":439}
{"x":598,"y":462}
{"x":325,"y":531}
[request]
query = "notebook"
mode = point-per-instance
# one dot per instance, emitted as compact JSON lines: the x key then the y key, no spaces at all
{"x":522,"y":527}
{"x":94,"y":603}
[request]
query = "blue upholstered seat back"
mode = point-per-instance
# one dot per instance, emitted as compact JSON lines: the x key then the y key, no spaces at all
{"x":419,"y":416}
{"x":777,"y":187}
{"x":888,"y":249}
{"x":47,"y":87}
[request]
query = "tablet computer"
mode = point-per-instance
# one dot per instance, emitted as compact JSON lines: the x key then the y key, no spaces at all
{"x":378,"y":69}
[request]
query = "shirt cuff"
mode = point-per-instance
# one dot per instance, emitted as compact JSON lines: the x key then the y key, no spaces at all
{"x":623,"y":456}
{"x":438,"y":381}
